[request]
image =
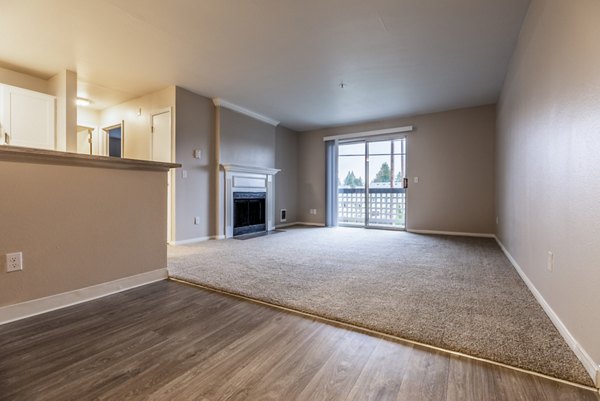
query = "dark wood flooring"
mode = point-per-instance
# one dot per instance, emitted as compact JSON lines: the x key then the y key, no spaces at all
{"x":170,"y":341}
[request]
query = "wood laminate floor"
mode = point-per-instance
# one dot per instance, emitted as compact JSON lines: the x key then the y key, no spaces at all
{"x":170,"y":341}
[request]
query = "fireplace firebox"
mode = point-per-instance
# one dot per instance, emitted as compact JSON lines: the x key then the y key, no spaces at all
{"x":249,"y":214}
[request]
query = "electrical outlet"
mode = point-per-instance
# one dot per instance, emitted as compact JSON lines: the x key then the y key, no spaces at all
{"x":550,"y":264}
{"x":197,"y":220}
{"x":14,"y":262}
{"x":416,"y":180}
{"x":497,"y":220}
{"x":283,"y":215}
{"x":313,"y":211}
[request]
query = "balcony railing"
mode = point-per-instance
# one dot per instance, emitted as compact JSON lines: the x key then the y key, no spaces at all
{"x":386,"y":207}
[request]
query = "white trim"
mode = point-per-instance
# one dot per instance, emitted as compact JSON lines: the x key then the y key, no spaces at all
{"x":589,"y":364}
{"x":239,"y":168}
{"x":457,"y":233}
{"x":217,"y":101}
{"x":248,"y":179}
{"x":282,"y":225}
{"x":305,"y":223}
{"x":34,"y":307}
{"x":385,"y":131}
{"x":300,"y":223}
{"x":190,"y":241}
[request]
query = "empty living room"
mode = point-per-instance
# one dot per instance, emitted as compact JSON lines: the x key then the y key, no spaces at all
{"x":300,"y":200}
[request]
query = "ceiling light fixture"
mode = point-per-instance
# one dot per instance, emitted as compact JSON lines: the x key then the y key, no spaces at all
{"x":82,"y":102}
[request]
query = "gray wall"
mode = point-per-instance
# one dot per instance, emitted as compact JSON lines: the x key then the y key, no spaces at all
{"x":548,"y":161}
{"x":286,"y":181}
{"x":194,"y":127}
{"x":452,"y":153}
{"x":246,"y":141}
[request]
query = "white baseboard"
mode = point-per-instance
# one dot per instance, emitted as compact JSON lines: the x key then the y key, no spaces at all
{"x":196,"y":240}
{"x":34,"y":307}
{"x":590,"y":365}
{"x":304,"y":223}
{"x":282,"y":225}
{"x":190,"y":241}
{"x":457,"y":233}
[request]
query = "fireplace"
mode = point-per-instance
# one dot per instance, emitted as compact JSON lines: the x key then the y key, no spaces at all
{"x":249,"y":203}
{"x":249,"y":212}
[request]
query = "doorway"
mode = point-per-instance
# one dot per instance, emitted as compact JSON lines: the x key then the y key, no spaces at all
{"x":162,"y":151}
{"x":115,"y":140}
{"x":372,"y":183}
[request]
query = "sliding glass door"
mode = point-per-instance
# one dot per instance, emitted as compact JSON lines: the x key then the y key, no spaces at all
{"x":372,"y":183}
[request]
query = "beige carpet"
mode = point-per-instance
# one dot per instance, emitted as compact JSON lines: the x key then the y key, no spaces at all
{"x":457,"y":293}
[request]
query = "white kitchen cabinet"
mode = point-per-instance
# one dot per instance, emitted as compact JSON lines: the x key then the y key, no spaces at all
{"x":27,"y":118}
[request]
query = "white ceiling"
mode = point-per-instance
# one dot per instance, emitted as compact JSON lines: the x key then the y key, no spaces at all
{"x":280,"y":58}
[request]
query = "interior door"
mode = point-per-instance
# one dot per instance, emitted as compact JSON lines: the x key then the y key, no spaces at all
{"x":162,"y":151}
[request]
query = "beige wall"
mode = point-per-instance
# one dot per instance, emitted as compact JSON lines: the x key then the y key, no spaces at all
{"x":286,"y":181}
{"x":88,"y":117}
{"x":137,"y":128}
{"x":195,"y":130}
{"x":452,"y":153}
{"x":245,"y":140}
{"x":78,"y":226}
{"x":25,"y":81}
{"x":64,"y":86}
{"x":548,"y":160}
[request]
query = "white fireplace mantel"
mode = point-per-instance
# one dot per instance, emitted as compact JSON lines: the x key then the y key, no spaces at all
{"x":239,"y":168}
{"x":248,"y":179}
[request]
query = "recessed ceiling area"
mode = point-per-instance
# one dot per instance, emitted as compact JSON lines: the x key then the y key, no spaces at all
{"x":284,"y":59}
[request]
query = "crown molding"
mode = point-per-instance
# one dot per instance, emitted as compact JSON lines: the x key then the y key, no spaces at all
{"x":217,"y":101}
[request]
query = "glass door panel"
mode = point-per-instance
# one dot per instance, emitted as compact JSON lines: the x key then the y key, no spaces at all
{"x":351,"y":184}
{"x":386,"y":172}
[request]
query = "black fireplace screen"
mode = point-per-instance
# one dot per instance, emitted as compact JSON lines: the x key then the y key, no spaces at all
{"x":249,"y":212}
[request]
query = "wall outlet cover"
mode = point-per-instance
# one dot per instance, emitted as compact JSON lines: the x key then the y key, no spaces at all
{"x":14,"y":262}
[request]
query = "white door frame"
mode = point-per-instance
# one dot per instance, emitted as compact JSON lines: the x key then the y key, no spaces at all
{"x":171,"y":173}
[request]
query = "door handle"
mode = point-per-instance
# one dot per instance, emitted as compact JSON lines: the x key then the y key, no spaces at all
{"x":405,"y":183}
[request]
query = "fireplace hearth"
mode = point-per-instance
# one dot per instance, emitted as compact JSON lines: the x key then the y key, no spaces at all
{"x":249,"y":212}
